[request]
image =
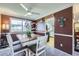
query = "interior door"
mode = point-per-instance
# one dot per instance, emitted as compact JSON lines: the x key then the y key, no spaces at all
{"x":63,"y":30}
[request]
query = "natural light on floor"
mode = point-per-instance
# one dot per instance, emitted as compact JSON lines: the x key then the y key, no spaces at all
{"x":51,"y":42}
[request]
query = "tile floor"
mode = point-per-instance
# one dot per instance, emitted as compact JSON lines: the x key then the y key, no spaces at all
{"x":56,"y":52}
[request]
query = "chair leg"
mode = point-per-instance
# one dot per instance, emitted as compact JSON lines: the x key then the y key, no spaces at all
{"x":29,"y":53}
{"x":45,"y":52}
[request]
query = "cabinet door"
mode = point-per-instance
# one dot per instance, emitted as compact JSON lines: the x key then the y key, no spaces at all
{"x":63,"y":30}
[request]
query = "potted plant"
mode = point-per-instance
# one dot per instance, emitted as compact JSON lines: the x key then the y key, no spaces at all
{"x":28,"y":33}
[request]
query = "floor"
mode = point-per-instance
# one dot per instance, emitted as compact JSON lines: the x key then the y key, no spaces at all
{"x":51,"y":51}
{"x":56,"y":52}
{"x":51,"y":42}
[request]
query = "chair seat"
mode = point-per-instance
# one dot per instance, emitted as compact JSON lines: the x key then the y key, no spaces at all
{"x":21,"y":49}
{"x":32,"y":48}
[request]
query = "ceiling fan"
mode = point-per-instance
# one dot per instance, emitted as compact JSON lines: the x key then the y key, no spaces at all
{"x":28,"y":10}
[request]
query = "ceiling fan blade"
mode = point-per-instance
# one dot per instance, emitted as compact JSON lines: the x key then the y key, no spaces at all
{"x":28,"y":10}
{"x":23,"y":6}
{"x":35,"y":13}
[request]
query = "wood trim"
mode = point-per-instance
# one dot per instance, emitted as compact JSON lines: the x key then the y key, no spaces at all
{"x":63,"y":35}
{"x":38,"y":33}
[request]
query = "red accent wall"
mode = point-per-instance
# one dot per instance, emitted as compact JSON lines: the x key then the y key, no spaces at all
{"x":67,"y":30}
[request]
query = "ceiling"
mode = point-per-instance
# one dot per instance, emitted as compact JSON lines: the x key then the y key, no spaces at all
{"x":14,"y":9}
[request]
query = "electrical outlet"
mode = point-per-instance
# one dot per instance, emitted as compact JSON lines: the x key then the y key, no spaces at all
{"x":61,"y":44}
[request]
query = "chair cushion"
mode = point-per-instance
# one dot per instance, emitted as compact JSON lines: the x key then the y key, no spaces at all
{"x":32,"y":48}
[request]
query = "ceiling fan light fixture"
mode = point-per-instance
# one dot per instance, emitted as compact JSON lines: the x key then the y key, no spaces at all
{"x":23,"y":6}
{"x":28,"y":14}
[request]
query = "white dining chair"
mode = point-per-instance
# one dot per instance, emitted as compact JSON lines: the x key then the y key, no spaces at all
{"x":39,"y":49}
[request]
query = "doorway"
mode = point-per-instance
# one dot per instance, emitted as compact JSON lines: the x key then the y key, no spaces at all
{"x":76,"y":36}
{"x":50,"y":25}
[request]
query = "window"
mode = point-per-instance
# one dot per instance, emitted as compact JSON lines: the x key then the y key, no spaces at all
{"x":26,"y":25}
{"x":16,"y":25}
{"x":20,"y":25}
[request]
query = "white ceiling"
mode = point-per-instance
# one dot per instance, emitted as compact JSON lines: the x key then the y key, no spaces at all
{"x":44,"y":9}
